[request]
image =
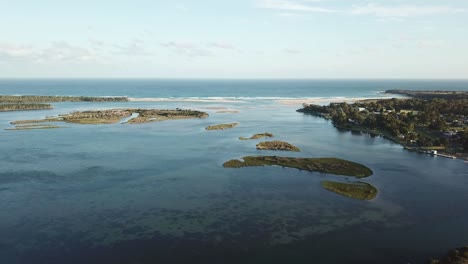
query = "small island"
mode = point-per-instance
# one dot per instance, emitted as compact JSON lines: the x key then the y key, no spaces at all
{"x":221,"y":126}
{"x":358,"y":190}
{"x":258,"y":136}
{"x":323,"y":165}
{"x":277,"y":145}
{"x":112,"y":116}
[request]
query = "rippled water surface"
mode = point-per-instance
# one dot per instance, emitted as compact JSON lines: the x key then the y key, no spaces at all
{"x":157,"y":192}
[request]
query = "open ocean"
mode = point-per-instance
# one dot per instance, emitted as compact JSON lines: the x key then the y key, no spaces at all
{"x":157,"y":192}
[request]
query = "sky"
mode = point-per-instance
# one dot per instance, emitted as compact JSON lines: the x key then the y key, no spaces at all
{"x":321,"y":39}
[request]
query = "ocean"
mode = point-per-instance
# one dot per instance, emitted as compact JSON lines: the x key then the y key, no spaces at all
{"x":158,"y":193}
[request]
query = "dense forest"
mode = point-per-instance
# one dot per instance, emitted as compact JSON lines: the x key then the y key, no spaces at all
{"x":411,"y":122}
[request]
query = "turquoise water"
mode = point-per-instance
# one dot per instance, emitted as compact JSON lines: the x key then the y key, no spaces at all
{"x":157,"y":193}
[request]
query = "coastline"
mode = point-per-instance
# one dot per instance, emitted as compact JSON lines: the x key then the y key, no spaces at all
{"x":281,"y":100}
{"x":351,"y":124}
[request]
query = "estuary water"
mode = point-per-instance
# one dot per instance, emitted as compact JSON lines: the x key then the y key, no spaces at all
{"x":158,"y":193}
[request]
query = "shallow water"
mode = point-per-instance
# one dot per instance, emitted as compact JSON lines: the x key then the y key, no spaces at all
{"x":154,"y":192}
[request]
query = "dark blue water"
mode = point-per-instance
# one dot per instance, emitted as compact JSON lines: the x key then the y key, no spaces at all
{"x":157,"y":193}
{"x":221,"y":88}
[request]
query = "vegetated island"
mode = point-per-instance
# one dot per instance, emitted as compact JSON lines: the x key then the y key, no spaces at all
{"x":23,"y":107}
{"x":277,"y":145}
{"x":37,"y":102}
{"x":258,"y":136}
{"x":456,"y":256}
{"x":221,"y":126}
{"x":323,"y":165}
{"x":112,"y":116}
{"x":437,"y":126}
{"x":356,"y":190}
{"x":429,"y":95}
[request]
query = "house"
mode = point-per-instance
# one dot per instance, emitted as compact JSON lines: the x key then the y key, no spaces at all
{"x":450,"y":134}
{"x":361,"y":109}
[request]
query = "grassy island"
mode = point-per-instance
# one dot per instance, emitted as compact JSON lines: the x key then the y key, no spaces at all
{"x":155,"y":115}
{"x":421,"y":125}
{"x":277,"y":145}
{"x":257,"y":136}
{"x":55,"y":99}
{"x":456,"y":256}
{"x":358,"y":190}
{"x":113,"y":116}
{"x":23,"y":107}
{"x":221,"y":126}
{"x":324,"y":165}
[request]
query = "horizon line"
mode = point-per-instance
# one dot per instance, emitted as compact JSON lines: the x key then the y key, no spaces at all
{"x":240,"y":79}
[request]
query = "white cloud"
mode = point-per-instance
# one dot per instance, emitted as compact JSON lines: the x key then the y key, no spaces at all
{"x":55,"y":52}
{"x":187,"y":49}
{"x":292,"y":5}
{"x":403,"y":10}
{"x":292,"y":51}
{"x":222,"y":45}
{"x":62,"y":51}
{"x":8,"y":50}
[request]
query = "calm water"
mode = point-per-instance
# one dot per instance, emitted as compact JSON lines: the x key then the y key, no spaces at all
{"x":157,"y":193}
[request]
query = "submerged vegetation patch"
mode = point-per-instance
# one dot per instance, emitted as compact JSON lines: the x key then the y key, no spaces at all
{"x":324,"y":165}
{"x":277,"y":145}
{"x":221,"y":126}
{"x":227,"y":112}
{"x":356,"y":190}
{"x":258,"y":136}
{"x":33,"y":127}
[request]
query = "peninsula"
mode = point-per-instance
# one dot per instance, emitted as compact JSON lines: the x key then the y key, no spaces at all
{"x":428,"y":95}
{"x":39,"y":102}
{"x":439,"y":126}
{"x":23,"y":107}
{"x":55,"y":99}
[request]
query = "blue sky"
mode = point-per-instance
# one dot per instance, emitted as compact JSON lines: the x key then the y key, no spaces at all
{"x":234,"y":39}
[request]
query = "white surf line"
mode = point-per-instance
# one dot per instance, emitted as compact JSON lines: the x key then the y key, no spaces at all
{"x":300,"y":101}
{"x":190,"y":100}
